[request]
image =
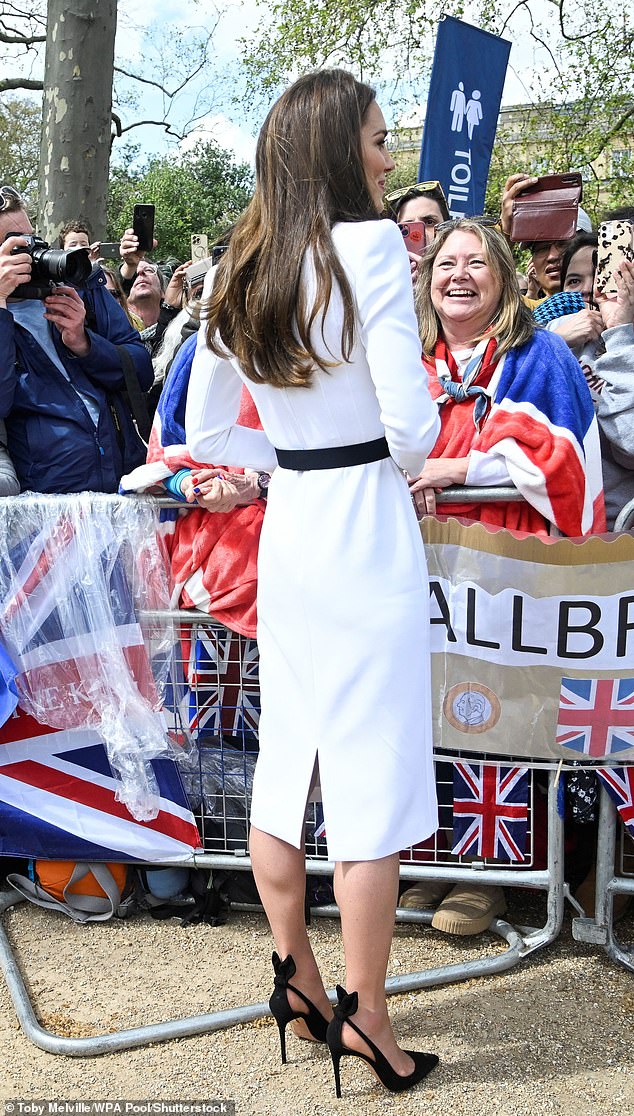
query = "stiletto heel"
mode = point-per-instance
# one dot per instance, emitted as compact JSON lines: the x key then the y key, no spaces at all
{"x":348,"y":1005}
{"x":336,"y":1058}
{"x":282,"y":1011}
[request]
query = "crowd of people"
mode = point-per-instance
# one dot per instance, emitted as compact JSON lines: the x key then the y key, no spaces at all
{"x":312,"y":397}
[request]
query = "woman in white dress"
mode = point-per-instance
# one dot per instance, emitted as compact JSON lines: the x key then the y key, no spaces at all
{"x":312,"y":307}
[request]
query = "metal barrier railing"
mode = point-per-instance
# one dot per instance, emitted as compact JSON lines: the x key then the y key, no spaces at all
{"x":224,"y":845}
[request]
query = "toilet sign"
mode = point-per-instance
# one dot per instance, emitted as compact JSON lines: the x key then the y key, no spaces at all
{"x":462,"y":113}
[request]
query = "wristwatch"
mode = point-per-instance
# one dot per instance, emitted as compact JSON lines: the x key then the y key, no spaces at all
{"x":264,"y":480}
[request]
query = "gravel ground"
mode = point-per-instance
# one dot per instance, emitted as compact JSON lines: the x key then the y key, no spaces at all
{"x":553,"y":1035}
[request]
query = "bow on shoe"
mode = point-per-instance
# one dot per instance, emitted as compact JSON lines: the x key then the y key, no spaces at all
{"x":348,"y":1003}
{"x":284,"y":970}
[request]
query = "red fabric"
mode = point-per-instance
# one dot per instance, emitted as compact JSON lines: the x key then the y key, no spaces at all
{"x":458,"y":436}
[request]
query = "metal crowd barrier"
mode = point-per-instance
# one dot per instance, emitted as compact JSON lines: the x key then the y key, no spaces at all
{"x":227,"y":743}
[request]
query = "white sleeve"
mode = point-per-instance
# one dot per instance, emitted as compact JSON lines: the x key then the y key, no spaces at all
{"x":213,"y":403}
{"x":487,"y":469}
{"x":378,"y":266}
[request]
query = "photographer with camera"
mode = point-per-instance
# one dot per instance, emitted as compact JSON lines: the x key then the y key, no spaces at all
{"x":67,"y":354}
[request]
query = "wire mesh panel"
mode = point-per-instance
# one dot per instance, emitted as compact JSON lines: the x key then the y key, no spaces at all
{"x":216,"y":703}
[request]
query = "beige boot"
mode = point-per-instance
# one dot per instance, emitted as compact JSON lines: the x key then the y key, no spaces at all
{"x":424,"y":895}
{"x":469,"y":909}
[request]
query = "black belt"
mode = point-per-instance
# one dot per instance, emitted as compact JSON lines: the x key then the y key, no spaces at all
{"x":333,"y":457}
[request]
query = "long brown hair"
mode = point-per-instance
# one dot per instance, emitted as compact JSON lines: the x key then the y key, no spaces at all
{"x":513,"y":323}
{"x":309,"y":175}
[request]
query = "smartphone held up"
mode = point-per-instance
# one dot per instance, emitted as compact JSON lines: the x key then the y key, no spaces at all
{"x":616,"y":243}
{"x":143,"y":226}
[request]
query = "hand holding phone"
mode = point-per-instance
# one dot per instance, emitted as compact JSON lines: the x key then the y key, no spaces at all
{"x":414,"y":236}
{"x":143,"y":226}
{"x":616,"y":243}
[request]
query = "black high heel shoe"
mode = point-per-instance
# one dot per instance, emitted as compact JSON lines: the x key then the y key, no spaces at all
{"x":282,"y":1010}
{"x":387,"y":1075}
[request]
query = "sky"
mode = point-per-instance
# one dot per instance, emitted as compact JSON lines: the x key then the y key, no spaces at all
{"x":228,"y":123}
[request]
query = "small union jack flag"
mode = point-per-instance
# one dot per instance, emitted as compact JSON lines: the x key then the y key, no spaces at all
{"x":619,"y":782}
{"x":596,"y":715}
{"x":490,"y":811}
{"x":224,"y":685}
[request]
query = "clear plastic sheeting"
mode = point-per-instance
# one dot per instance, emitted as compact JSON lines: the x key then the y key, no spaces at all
{"x":76,"y":572}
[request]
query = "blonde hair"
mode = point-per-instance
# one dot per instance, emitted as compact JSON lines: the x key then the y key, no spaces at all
{"x":512,"y":325}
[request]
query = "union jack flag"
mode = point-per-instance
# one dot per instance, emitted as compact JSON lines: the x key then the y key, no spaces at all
{"x":58,"y":801}
{"x":620,"y":786}
{"x":490,"y":811}
{"x":224,"y":685}
{"x":596,"y":715}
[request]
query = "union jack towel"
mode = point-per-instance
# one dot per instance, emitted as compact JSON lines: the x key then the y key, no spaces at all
{"x":213,"y":555}
{"x":70,"y":572}
{"x":619,"y":782}
{"x":542,"y":423}
{"x":223,"y":675}
{"x":596,"y":715}
{"x":490,"y":811}
{"x":58,"y":800}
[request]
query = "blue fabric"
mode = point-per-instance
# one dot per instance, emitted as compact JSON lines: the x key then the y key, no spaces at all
{"x":52,"y":439}
{"x":545,"y":373}
{"x":8,"y":688}
{"x":171,"y":405}
{"x":463,"y":104}
{"x":173,"y":483}
{"x":564,"y":302}
{"x":29,"y":312}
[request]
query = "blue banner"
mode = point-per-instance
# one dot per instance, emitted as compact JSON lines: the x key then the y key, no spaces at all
{"x":463,"y":104}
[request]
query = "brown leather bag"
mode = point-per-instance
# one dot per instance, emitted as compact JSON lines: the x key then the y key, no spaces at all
{"x":547,"y":210}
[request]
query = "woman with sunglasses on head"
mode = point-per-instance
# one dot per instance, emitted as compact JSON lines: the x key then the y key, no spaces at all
{"x":312,"y":307}
{"x":423,"y":204}
{"x":515,"y":410}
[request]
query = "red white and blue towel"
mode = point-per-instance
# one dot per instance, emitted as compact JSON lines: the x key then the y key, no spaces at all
{"x":213,"y":554}
{"x":541,"y":421}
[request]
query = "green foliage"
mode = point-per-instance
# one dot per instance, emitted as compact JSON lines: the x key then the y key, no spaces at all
{"x":20,"y":128}
{"x":575,"y":59}
{"x":201,"y":191}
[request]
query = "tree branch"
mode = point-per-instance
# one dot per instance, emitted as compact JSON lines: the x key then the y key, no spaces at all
{"x":158,"y":123}
{"x":21,"y":40}
{"x":19,"y":83}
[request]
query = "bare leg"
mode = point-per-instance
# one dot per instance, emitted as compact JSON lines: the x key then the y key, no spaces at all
{"x":280,"y":875}
{"x":366,"y":893}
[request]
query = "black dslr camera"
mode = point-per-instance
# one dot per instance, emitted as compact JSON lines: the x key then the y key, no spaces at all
{"x":50,"y":267}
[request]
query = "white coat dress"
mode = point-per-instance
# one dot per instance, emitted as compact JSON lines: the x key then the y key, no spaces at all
{"x":343,"y":621}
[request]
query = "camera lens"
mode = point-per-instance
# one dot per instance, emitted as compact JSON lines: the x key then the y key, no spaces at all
{"x":72,"y":267}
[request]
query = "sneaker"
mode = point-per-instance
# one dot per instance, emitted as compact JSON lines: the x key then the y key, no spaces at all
{"x":425,"y":895}
{"x":469,"y":909}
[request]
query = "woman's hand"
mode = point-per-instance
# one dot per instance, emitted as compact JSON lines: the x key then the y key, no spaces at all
{"x":620,"y":310}
{"x":439,"y":473}
{"x":219,"y":490}
{"x":578,"y":329}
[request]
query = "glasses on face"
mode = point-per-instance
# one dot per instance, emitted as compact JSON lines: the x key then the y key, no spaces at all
{"x":417,"y":191}
{"x":542,"y":247}
{"x":148,"y":269}
{"x":7,"y":195}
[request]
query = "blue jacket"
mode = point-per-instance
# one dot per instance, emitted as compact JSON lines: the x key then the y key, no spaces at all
{"x":53,"y":441}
